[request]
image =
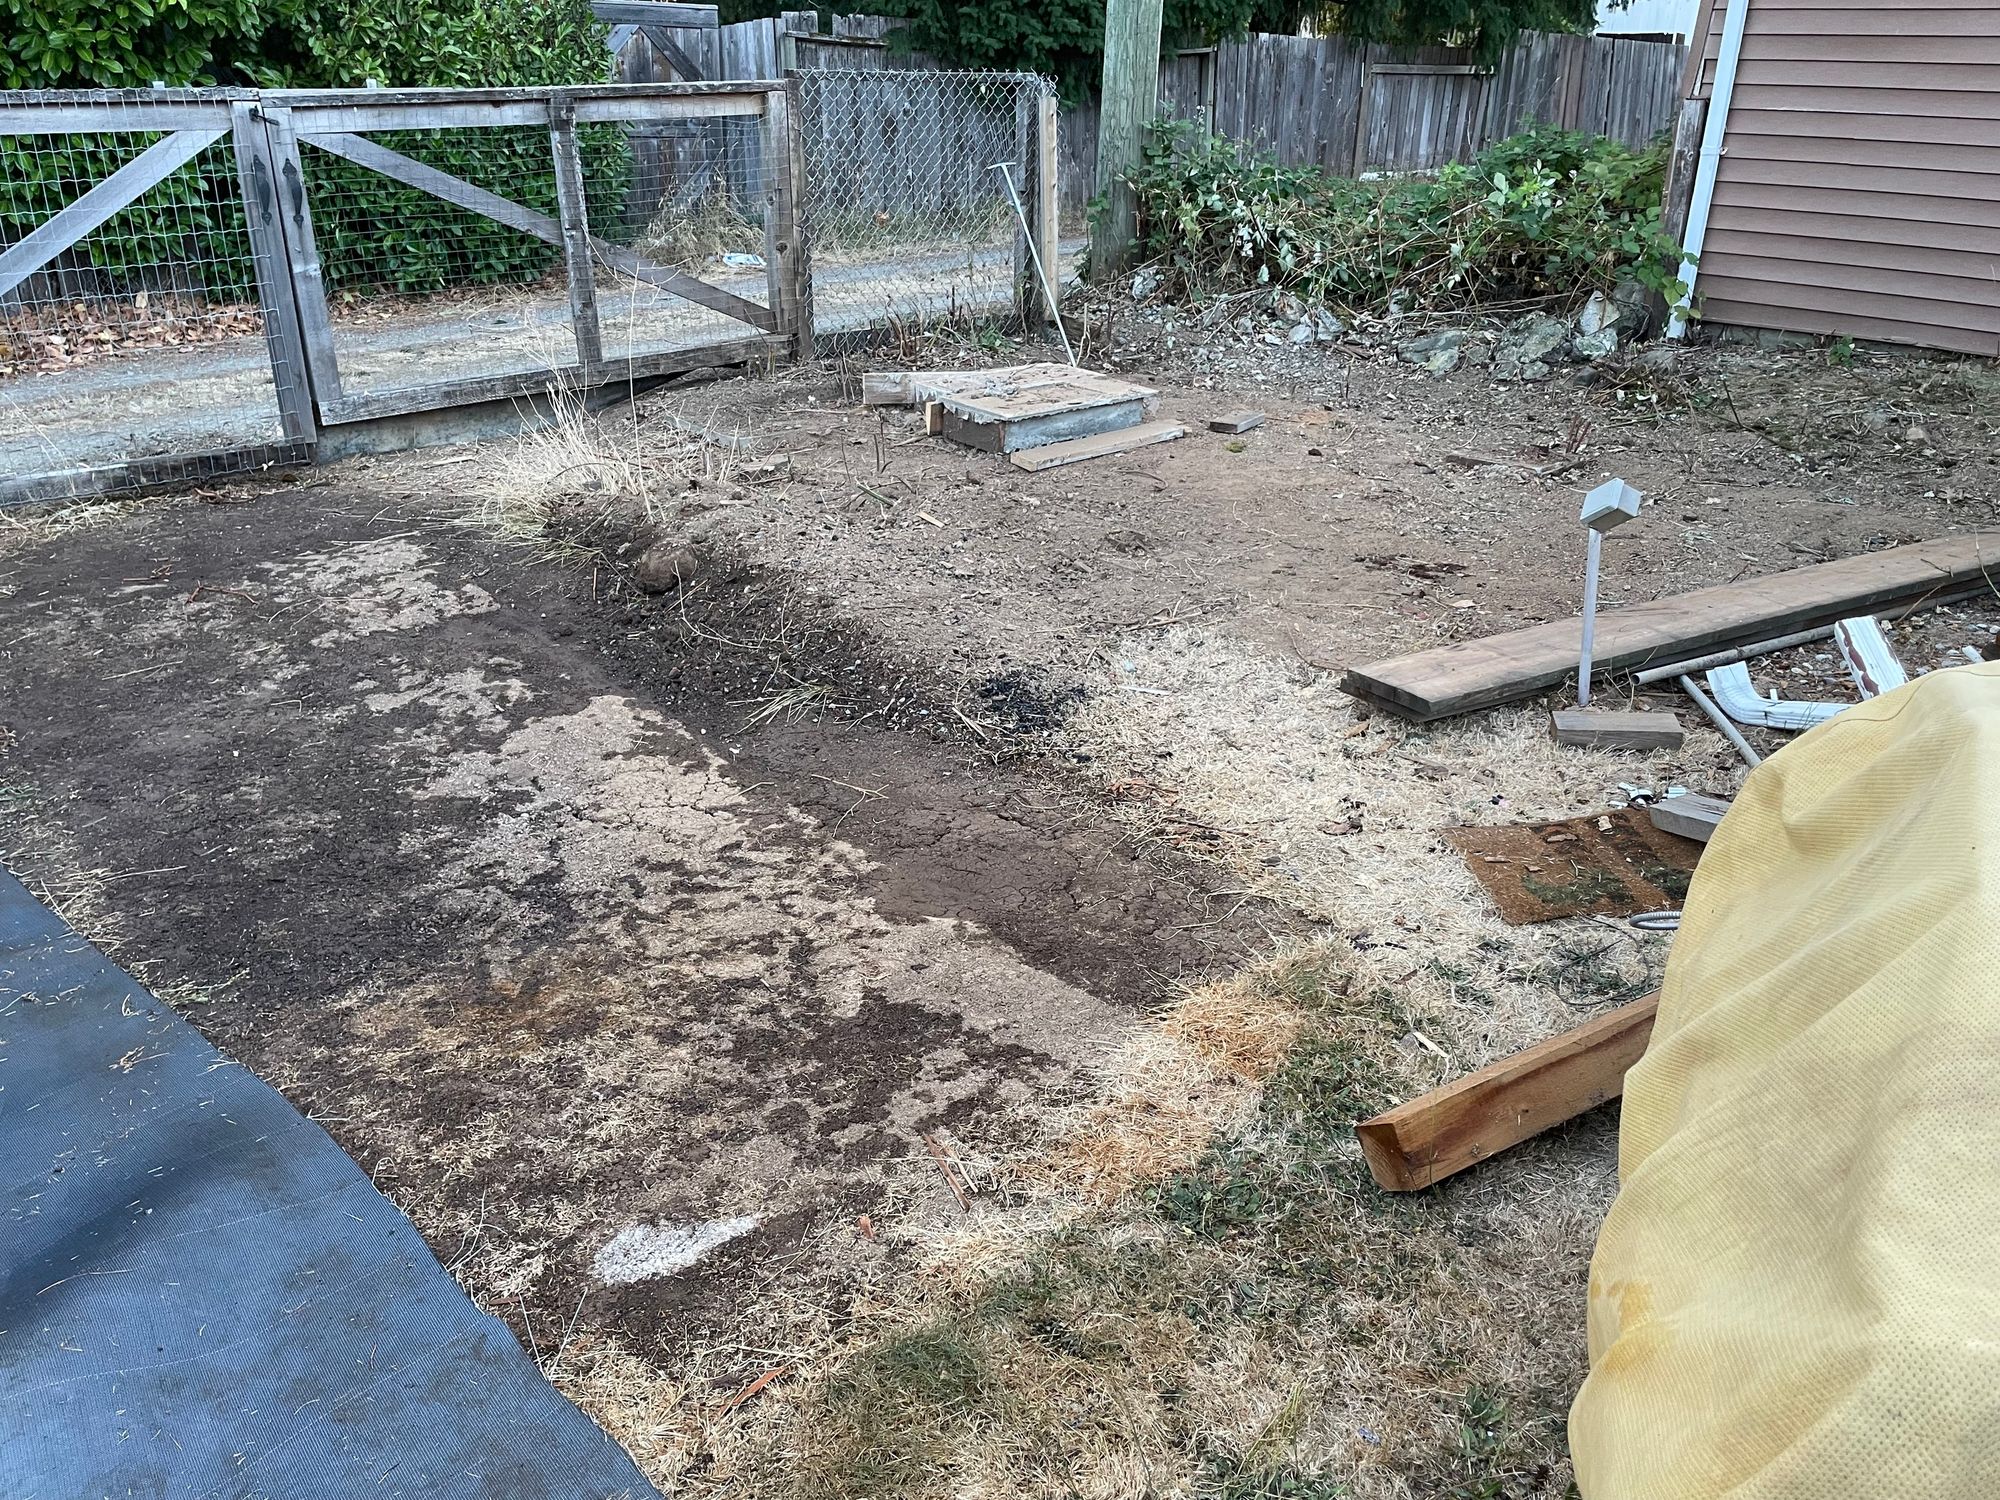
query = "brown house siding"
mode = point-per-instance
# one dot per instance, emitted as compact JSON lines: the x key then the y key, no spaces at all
{"x":1859,"y":187}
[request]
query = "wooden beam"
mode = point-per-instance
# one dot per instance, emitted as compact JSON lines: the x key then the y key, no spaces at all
{"x":363,"y":408}
{"x":673,"y":52}
{"x":1129,"y":100}
{"x":578,"y":265}
{"x":1692,"y":815}
{"x":1498,"y":669}
{"x":1447,"y":1130}
{"x":459,"y":192}
{"x":1076,"y":450}
{"x":644,"y":13}
{"x":302,"y":252}
{"x":257,"y":182}
{"x":1616,"y":729}
{"x":107,"y":115}
{"x":1048,"y":211}
{"x":73,"y":221}
{"x":1681,"y":165}
{"x":785,"y":275}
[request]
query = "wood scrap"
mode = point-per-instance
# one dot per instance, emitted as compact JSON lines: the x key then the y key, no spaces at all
{"x":1469,"y":675}
{"x":1691,"y":815}
{"x":1427,"y":1139}
{"x":1236,"y":421}
{"x":1076,"y":450}
{"x":1601,"y":864}
{"x":1620,"y":729}
{"x":949,"y":1166}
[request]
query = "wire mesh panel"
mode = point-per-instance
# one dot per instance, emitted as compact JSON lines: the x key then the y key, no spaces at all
{"x":906,"y":211}
{"x":133,"y":342}
{"x":422,"y":290}
{"x":689,"y":195}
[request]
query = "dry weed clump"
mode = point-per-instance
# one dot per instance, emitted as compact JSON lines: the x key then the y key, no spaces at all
{"x":578,"y":483}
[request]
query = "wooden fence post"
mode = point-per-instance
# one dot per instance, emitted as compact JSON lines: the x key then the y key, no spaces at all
{"x":1129,"y":101}
{"x":302,"y":253}
{"x":1681,"y":167}
{"x":578,"y":256}
{"x":257,"y":181}
{"x":787,"y":233}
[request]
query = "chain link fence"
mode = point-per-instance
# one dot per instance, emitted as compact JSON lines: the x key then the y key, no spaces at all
{"x":132,"y":330}
{"x":904,"y":207}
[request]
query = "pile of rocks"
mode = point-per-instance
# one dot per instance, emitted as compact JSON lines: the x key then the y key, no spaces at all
{"x":1533,"y":347}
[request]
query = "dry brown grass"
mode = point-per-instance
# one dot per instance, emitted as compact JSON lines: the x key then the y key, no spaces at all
{"x":572,"y":483}
{"x":1205,"y":1295}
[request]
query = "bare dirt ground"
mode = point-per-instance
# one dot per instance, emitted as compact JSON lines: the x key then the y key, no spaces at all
{"x":639,"y":944}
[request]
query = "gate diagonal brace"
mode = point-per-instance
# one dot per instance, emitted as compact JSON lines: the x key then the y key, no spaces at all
{"x":462,"y":194}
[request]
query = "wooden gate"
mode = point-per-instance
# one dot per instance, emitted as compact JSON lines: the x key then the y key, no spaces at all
{"x":622,"y":309}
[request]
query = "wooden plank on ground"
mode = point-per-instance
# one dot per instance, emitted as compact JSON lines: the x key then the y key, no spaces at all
{"x":1471,"y":675}
{"x":1236,"y":421}
{"x":1447,"y":1130}
{"x":1616,"y":729}
{"x":1076,"y":450}
{"x":1692,"y":815}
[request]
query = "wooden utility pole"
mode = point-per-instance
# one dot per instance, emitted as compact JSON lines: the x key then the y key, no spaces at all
{"x":1130,"y":99}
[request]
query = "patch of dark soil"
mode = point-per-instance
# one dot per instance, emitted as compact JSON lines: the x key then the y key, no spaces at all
{"x":567,"y":914}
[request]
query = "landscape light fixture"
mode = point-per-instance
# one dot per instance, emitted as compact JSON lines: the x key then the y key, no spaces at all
{"x":1612,"y":503}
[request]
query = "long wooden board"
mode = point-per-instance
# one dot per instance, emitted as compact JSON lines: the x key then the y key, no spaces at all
{"x":1504,"y":1103}
{"x":1076,"y":450}
{"x":1471,"y":675}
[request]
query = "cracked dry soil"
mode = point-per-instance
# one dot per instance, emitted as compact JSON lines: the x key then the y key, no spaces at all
{"x":498,"y":882}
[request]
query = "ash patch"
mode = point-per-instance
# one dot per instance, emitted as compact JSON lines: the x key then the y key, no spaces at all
{"x":1026,"y":703}
{"x":645,"y":1251}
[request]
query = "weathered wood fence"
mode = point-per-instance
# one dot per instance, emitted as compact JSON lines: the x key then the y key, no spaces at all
{"x":1350,"y":107}
{"x":1354,"y":108}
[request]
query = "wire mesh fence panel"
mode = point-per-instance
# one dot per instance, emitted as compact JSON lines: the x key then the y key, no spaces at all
{"x":906,"y":212}
{"x":422,"y":290}
{"x":131,"y":332}
{"x":681,"y":194}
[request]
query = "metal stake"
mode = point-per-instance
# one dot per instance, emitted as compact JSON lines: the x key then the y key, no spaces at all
{"x":1006,"y":171}
{"x":1589,"y":616}
{"x":1721,"y":721}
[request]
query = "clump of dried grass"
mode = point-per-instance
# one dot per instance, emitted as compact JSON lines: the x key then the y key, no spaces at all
{"x":1174,"y":1085}
{"x":577,"y":483}
{"x":690,"y":238}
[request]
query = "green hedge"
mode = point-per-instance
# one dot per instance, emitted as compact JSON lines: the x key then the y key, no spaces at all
{"x":188,"y":231}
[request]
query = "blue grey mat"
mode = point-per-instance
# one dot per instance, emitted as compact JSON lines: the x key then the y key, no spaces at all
{"x":202,"y":1296}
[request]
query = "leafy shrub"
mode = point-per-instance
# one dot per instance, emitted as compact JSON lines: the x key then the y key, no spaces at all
{"x":132,"y":43}
{"x":187,"y":232}
{"x":1544,"y":211}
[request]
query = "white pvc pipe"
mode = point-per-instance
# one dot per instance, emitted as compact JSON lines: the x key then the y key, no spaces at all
{"x":1713,"y":132}
{"x":1740,"y":700}
{"x":1591,"y":560}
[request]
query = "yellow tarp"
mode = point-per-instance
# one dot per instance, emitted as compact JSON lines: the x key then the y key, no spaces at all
{"x":1796,"y":1295}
